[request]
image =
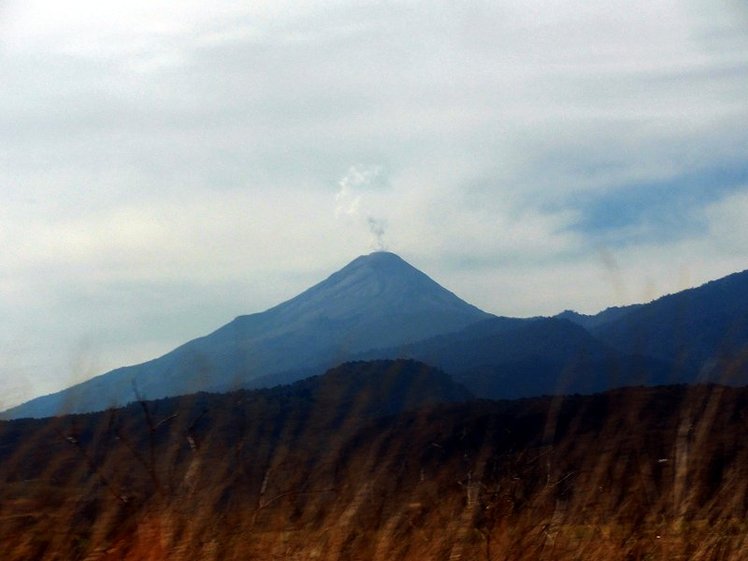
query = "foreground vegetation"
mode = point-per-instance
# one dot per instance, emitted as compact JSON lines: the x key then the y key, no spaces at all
{"x":372,"y":462}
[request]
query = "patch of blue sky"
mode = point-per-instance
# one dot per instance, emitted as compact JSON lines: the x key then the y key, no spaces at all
{"x":655,"y":212}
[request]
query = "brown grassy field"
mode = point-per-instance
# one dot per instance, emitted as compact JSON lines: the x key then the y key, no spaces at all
{"x":321,"y":472}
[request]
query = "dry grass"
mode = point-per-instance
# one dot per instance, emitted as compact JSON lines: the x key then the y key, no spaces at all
{"x":637,"y":474}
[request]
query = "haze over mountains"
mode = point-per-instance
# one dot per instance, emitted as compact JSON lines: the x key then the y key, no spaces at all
{"x":379,"y":306}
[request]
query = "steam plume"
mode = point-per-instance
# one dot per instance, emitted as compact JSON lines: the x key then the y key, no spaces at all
{"x":350,"y":200}
{"x":376,"y":227}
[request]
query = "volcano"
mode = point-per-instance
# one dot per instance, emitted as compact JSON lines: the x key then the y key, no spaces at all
{"x":376,"y":301}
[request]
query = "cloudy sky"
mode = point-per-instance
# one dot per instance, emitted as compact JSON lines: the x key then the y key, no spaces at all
{"x":165,"y":167}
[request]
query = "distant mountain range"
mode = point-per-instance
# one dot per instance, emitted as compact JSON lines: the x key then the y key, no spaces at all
{"x":697,"y":335}
{"x":506,"y":358}
{"x":379,"y":306}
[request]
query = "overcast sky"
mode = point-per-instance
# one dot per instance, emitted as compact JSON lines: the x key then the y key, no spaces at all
{"x":165,"y":167}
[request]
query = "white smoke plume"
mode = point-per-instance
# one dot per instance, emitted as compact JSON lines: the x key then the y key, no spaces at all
{"x":350,"y":202}
{"x":376,"y":227}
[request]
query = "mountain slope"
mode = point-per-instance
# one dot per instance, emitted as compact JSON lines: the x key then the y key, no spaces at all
{"x":699,"y":328}
{"x":507,"y":358}
{"x":376,"y":301}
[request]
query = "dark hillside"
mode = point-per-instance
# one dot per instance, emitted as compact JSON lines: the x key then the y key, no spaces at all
{"x":697,"y":328}
{"x":597,"y":320}
{"x":508,"y":358}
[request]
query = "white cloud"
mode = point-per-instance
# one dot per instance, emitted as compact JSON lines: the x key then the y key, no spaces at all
{"x":728,"y":227}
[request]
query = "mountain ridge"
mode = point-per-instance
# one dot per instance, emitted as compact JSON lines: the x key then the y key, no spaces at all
{"x":377,"y":300}
{"x":694,"y":327}
{"x":380,"y":307}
